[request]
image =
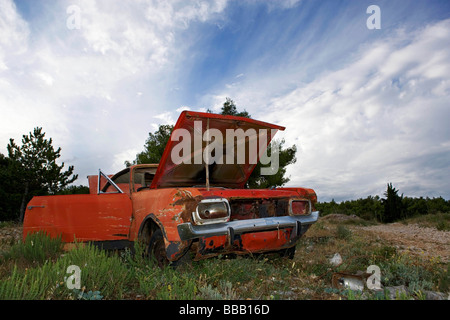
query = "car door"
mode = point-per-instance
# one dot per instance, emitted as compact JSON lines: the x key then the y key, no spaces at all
{"x":88,"y":217}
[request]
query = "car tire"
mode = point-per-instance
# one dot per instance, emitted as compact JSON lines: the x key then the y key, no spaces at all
{"x":157,"y":250}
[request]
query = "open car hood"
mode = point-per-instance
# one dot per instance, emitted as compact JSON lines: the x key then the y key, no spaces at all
{"x":189,"y":139}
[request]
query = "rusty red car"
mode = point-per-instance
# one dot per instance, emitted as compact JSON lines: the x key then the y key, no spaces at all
{"x":185,"y":206}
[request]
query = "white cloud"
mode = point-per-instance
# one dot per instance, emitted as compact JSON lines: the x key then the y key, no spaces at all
{"x":366,"y":123}
{"x":122,"y":156}
{"x":98,"y":87}
{"x":46,"y":78}
{"x":14,"y":34}
{"x":181,"y":109}
{"x":165,"y":118}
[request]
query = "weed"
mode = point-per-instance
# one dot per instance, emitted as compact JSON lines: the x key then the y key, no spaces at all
{"x":224,"y":291}
{"x":400,"y":270}
{"x":352,"y":294}
{"x":167,"y":283}
{"x":343,"y":232}
{"x":385,"y":252}
{"x":91,"y":295}
{"x":444,"y":280}
{"x":36,"y":249}
{"x":440,"y":221}
{"x":358,"y":222}
{"x":30,"y":284}
{"x":35,"y":269}
{"x":8,"y":224}
{"x":443,"y":226}
{"x":99,"y":270}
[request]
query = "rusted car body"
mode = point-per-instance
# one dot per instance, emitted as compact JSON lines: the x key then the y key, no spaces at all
{"x":176,"y":208}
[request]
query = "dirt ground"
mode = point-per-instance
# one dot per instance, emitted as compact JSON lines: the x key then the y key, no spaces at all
{"x":412,"y":238}
{"x":9,"y":236}
{"x":417,"y":240}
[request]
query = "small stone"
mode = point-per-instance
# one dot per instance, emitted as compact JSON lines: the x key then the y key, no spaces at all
{"x":396,"y":291}
{"x":432,"y":295}
{"x":336,"y":259}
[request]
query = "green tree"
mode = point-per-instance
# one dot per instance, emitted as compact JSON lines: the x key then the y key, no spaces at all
{"x":229,"y":108}
{"x":9,"y":190}
{"x":394,"y":208}
{"x":286,"y":156}
{"x":74,"y":190}
{"x":34,"y":165}
{"x":154,"y":146}
{"x":156,"y":142}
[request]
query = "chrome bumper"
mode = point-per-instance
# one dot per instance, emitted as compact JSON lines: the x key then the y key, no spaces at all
{"x":300,"y":224}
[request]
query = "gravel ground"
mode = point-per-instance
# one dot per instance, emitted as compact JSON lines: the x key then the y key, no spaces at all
{"x":417,"y":240}
{"x":9,"y":236}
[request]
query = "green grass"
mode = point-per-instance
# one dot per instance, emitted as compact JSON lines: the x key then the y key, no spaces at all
{"x":440,"y":221}
{"x":37,"y":269}
{"x":37,"y":248}
{"x":46,"y":279}
{"x":343,"y":232}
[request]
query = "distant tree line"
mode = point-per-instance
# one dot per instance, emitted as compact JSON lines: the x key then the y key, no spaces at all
{"x":389,"y":209}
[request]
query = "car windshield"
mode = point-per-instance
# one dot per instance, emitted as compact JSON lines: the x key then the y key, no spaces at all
{"x":143,"y":177}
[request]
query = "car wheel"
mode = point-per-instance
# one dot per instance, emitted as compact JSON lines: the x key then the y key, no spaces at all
{"x":157,"y":249}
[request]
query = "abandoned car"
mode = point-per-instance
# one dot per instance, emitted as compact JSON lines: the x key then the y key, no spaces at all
{"x":193,"y":203}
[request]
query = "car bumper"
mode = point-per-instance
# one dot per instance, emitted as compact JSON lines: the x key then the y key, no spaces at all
{"x":299,"y":225}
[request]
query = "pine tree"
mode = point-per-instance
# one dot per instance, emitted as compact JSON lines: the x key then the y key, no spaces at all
{"x":34,"y":166}
{"x":393,"y":205}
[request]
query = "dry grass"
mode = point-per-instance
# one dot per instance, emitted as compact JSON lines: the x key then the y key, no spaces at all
{"x":307,"y":276}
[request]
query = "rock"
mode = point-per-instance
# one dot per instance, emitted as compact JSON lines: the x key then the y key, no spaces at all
{"x":307,"y":291}
{"x":285,"y":294}
{"x":397,"y":291}
{"x":336,"y":259}
{"x":432,"y":295}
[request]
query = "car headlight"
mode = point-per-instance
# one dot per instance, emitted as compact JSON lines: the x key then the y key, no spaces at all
{"x":212,"y":211}
{"x":300,"y":207}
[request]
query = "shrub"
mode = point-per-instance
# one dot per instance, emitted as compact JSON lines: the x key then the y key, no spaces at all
{"x":37,"y":248}
{"x":100,"y":271}
{"x":401,"y":271}
{"x":343,"y":232}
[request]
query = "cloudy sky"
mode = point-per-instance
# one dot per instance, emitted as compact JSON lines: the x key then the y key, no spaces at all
{"x":364,"y":106}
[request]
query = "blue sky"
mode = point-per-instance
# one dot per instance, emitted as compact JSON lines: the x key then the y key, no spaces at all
{"x":364,"y":107}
